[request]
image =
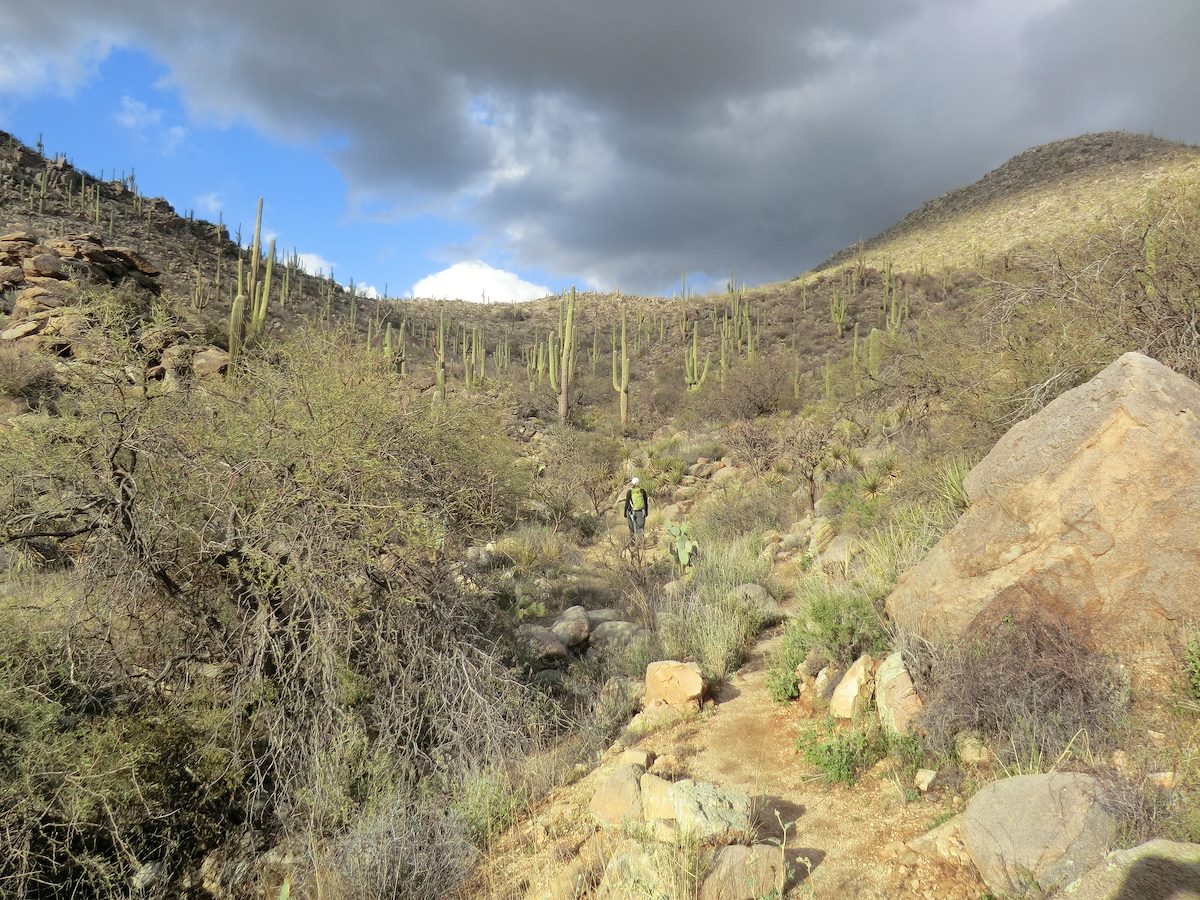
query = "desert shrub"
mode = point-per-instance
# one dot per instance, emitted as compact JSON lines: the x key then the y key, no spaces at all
{"x":757,"y":443}
{"x":536,"y":549}
{"x":838,"y":623}
{"x":286,"y":529}
{"x":705,"y":622}
{"x":84,"y":764}
{"x":27,"y":377}
{"x":1191,"y":664}
{"x":405,"y":845}
{"x":1144,"y":811}
{"x":753,"y":389}
{"x":842,"y":755}
{"x":742,"y":510}
{"x":1031,"y":687}
{"x":487,"y":802}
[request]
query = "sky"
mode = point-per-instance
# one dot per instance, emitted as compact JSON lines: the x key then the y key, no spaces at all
{"x":503,"y":150}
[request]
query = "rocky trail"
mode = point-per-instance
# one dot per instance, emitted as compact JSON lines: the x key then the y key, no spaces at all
{"x":837,"y":840}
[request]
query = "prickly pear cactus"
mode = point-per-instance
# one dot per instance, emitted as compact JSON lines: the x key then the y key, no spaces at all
{"x":683,"y":547}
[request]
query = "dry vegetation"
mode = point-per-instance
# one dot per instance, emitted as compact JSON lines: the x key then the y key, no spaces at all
{"x":275,"y":652}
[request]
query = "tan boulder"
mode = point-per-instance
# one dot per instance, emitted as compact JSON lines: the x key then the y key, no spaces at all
{"x":210,"y":361}
{"x":19,"y":330}
{"x":895,"y":697}
{"x":745,"y":873}
{"x":618,"y":799}
{"x":1087,"y":512}
{"x":1042,"y":829}
{"x":674,"y":684}
{"x":853,"y":692}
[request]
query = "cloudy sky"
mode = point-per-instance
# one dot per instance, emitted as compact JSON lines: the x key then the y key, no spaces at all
{"x":499,"y":149}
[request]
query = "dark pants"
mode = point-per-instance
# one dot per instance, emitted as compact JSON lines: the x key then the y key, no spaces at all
{"x":637,"y":522}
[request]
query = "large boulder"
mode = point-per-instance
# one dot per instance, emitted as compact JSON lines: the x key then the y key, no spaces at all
{"x":1085,"y":512}
{"x":1156,"y":870}
{"x":1043,"y":830}
{"x":542,"y":643}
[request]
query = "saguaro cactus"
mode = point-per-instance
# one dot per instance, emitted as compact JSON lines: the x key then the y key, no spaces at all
{"x":692,"y":373}
{"x":566,"y":357}
{"x":621,"y":384}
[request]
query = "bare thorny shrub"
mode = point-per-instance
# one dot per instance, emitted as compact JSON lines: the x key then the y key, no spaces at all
{"x":1029,"y":686}
{"x":269,"y":553}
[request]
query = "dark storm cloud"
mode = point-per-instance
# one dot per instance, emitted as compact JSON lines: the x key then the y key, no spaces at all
{"x":626,"y":142}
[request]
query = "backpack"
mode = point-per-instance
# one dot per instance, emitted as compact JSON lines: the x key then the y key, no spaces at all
{"x":637,"y":499}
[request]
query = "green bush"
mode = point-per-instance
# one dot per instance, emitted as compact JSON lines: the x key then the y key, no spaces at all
{"x":842,"y":755}
{"x":839,"y":624}
{"x":1191,"y":664}
{"x":487,"y":803}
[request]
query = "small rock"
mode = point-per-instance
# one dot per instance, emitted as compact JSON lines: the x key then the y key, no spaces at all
{"x":971,"y":750}
{"x":19,"y":331}
{"x":209,"y":362}
{"x":599,"y":616}
{"x":826,"y":683}
{"x":542,"y":643}
{"x":667,"y":766}
{"x":643,"y":758}
{"x":607,"y":636}
{"x":944,"y":842}
{"x":756,"y":598}
{"x":1164,"y":781}
{"x":895,"y":696}
{"x":924,"y":779}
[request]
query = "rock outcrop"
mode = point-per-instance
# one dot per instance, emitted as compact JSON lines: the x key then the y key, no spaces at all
{"x":1086,"y":512}
{"x":1043,"y":830}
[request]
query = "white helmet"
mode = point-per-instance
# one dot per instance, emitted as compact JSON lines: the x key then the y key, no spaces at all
{"x":634,"y":481}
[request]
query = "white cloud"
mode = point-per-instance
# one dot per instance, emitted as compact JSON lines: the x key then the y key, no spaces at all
{"x":477,"y":282}
{"x":209,"y":204}
{"x":137,"y":115}
{"x":173,"y":138}
{"x":315,"y":264}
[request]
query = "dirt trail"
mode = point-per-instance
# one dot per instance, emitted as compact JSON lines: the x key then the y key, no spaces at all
{"x":842,"y":836}
{"x":748,"y":742}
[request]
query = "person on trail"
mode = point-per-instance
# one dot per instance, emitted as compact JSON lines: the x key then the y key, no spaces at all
{"x":637,"y":504}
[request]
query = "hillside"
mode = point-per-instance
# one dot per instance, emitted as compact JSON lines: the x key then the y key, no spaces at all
{"x":327,"y":597}
{"x":1037,"y":196}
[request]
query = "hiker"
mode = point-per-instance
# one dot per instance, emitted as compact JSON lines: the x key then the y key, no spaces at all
{"x":637,"y":504}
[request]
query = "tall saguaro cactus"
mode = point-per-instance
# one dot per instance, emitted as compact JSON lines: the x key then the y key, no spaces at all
{"x":440,"y":362}
{"x":692,"y":373}
{"x":621,"y":385}
{"x":566,"y":355}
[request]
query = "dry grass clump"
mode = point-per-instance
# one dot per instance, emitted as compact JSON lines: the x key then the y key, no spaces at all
{"x":1030,"y":687}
